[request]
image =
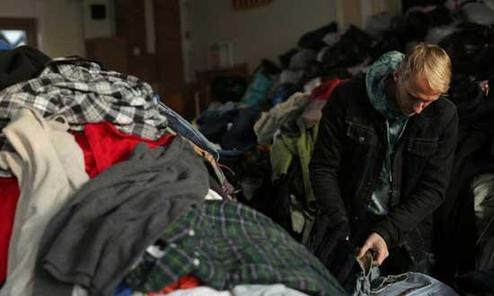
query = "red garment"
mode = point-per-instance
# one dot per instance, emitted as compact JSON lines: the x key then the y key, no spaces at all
{"x":323,"y":92}
{"x":9,"y":194}
{"x":185,"y":282}
{"x":104,"y":145}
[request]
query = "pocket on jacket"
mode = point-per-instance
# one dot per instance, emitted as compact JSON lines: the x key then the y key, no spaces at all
{"x":361,"y":134}
{"x":422,"y":147}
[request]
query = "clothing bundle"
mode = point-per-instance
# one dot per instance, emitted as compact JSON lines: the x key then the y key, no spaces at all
{"x":269,"y":169}
{"x":107,"y":191}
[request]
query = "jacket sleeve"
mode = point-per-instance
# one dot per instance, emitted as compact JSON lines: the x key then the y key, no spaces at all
{"x":325,"y":163}
{"x":429,"y":192}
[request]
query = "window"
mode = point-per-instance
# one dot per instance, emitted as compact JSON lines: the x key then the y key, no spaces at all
{"x":17,"y":31}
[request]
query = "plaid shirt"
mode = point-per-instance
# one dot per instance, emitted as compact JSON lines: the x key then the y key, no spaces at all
{"x":83,"y":92}
{"x":226,"y":244}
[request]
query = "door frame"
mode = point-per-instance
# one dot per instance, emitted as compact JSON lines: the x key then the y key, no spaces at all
{"x":25,"y":24}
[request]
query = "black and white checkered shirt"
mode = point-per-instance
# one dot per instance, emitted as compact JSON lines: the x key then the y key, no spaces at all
{"x":83,"y":92}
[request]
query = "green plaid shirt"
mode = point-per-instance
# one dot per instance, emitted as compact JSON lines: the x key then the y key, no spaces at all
{"x":226,"y":244}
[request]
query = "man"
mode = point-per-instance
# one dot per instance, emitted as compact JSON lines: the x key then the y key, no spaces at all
{"x":382,"y":160}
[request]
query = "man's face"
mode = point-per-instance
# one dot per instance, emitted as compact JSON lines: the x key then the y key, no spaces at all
{"x":414,"y":94}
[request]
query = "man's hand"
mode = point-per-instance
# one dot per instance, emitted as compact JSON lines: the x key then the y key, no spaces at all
{"x":376,"y":243}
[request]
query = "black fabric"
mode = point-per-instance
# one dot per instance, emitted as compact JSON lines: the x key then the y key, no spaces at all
{"x":352,"y":48}
{"x":280,"y":210}
{"x":20,"y":64}
{"x":213,"y":124}
{"x":333,"y":73}
{"x":286,"y":57}
{"x":267,"y":68}
{"x":314,"y":39}
{"x":391,"y":40}
{"x":338,"y":252}
{"x":232,"y":129}
{"x":228,"y":88}
{"x":348,"y":156}
{"x":470,"y":49}
{"x":241,"y":136}
{"x":313,"y":70}
{"x":455,"y":232}
{"x":416,"y":25}
{"x":477,"y":282}
{"x":413,"y":27}
{"x":440,"y":16}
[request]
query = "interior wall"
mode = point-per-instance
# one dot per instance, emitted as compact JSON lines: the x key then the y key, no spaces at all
{"x":62,"y":24}
{"x":94,"y":28}
{"x":263,"y":32}
{"x":60,"y":27}
{"x":17,"y":8}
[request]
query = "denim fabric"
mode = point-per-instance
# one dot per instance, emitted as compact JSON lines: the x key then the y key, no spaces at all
{"x":411,"y":284}
{"x":406,"y":284}
{"x":214,"y":124}
{"x":184,"y":128}
{"x":232,"y":129}
{"x":123,"y":290}
{"x":368,"y":274}
{"x":241,"y":136}
{"x":4,"y":45}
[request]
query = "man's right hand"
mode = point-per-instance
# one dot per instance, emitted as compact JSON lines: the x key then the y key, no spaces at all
{"x":376,"y":243}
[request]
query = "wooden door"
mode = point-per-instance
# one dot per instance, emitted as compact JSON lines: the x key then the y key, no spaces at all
{"x":169,"y":56}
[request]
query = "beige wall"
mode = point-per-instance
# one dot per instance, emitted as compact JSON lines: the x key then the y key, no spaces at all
{"x":62,"y":24}
{"x":99,"y":28}
{"x":19,"y":8}
{"x":263,"y":32}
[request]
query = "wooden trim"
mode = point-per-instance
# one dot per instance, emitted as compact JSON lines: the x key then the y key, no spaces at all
{"x":25,"y":24}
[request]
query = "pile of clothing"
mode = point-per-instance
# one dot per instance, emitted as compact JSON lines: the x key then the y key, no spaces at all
{"x":265,"y":136}
{"x":104,"y":190}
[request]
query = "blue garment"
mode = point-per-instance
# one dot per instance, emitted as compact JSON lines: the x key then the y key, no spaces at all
{"x":283,"y":92}
{"x":410,"y":284}
{"x":4,"y":45}
{"x":231,"y":129}
{"x":369,"y":283}
{"x":186,"y":130}
{"x":240,"y":135}
{"x":257,"y":92}
{"x":123,"y":290}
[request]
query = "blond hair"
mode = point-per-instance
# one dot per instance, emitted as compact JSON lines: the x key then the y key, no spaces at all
{"x":431,"y":62}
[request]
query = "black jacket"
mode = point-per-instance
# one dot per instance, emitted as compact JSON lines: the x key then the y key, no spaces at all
{"x":454,"y":225}
{"x":347,"y":160}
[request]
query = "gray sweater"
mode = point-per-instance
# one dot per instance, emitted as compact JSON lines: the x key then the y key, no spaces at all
{"x":108,"y":224}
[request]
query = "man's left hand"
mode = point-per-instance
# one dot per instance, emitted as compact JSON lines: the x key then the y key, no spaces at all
{"x":376,"y":243}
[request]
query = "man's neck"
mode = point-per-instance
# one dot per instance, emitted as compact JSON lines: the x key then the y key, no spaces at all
{"x":390,"y":91}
